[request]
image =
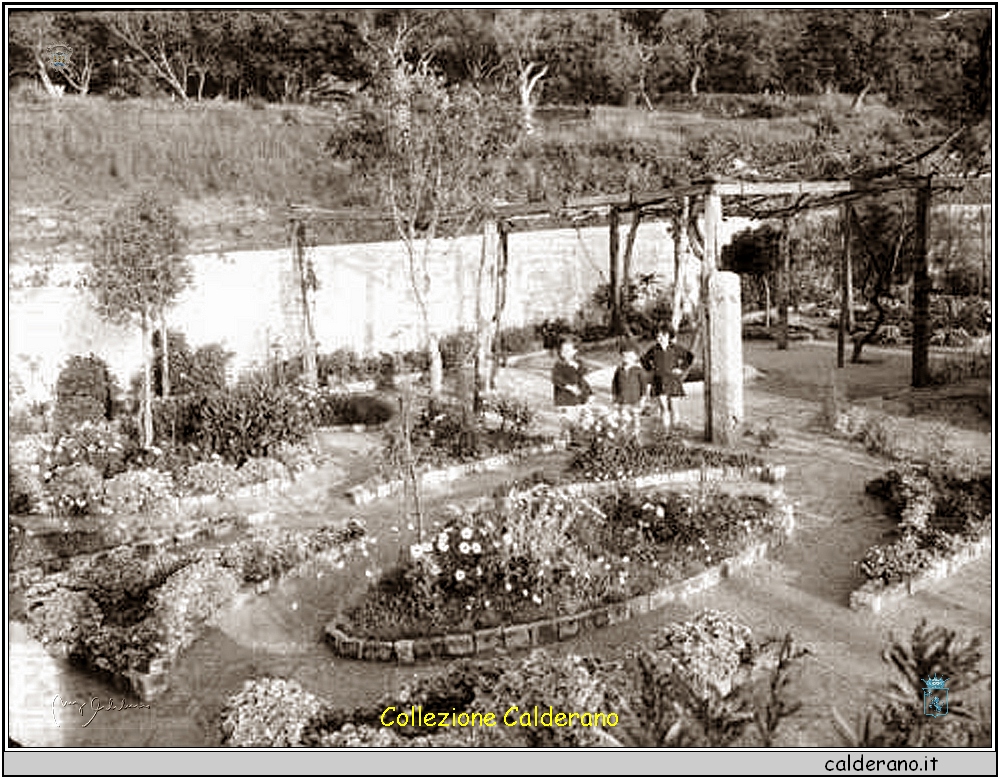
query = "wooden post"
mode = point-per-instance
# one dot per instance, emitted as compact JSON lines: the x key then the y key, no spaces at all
{"x":845,"y":280}
{"x":614,"y":273}
{"x":713,"y":215}
{"x":305,"y":284}
{"x":983,"y":244}
{"x":682,"y":248}
{"x":626,"y":263}
{"x":921,"y":291}
{"x":500,"y":296}
{"x":784,"y":273}
{"x":485,"y":293}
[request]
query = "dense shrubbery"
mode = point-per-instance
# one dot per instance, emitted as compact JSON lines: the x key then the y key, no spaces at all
{"x":237,"y":423}
{"x":444,"y":432}
{"x":939,"y":513}
{"x":549,"y":552}
{"x":334,"y":409}
{"x":140,"y":491}
{"x":85,"y":391}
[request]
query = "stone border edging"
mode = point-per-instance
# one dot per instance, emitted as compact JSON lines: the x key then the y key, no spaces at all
{"x":769,"y":474}
{"x":362,"y":495}
{"x":874,"y":597}
{"x":548,"y":631}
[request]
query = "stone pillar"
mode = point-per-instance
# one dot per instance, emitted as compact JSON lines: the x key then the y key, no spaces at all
{"x":710,"y":261}
{"x":726,"y":347}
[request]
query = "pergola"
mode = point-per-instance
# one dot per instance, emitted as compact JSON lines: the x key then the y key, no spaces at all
{"x":720,"y":319}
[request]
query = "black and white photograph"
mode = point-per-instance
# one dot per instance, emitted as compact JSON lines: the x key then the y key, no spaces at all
{"x":542,"y":380}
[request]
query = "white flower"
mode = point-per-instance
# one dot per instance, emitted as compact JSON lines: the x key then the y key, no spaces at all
{"x":459,"y":575}
{"x":660,"y":512}
{"x":536,"y":599}
{"x":476,"y":548}
{"x":466,"y":533}
{"x":508,"y":539}
{"x":464,"y":547}
{"x":508,"y":587}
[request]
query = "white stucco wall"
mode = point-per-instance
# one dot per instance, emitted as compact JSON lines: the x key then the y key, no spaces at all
{"x":247,"y":301}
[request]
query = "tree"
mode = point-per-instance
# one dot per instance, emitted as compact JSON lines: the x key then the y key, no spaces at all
{"x":520,"y":34}
{"x":32,"y":32}
{"x":689,"y":34}
{"x":884,"y":242}
{"x":136,"y":271}
{"x":162,"y":38}
{"x":433,"y":153}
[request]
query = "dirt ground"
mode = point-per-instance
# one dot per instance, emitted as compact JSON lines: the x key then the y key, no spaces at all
{"x":802,"y":588}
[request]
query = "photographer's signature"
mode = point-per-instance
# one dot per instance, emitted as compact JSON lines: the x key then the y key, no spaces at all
{"x":96,"y":705}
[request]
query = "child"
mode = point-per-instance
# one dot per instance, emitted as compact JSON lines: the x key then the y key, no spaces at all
{"x":668,"y":363}
{"x":628,"y":387}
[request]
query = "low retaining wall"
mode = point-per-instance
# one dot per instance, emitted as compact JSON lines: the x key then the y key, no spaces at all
{"x":877,"y":597}
{"x":548,"y":631}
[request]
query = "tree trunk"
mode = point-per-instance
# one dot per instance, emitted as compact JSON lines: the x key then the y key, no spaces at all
{"x":682,"y":248}
{"x":164,"y":360}
{"x":921,"y":292}
{"x":860,"y":98}
{"x":52,"y":89}
{"x":767,"y":302}
{"x":147,"y":384}
{"x":693,"y":85}
{"x":201,"y":84}
{"x":783,"y":286}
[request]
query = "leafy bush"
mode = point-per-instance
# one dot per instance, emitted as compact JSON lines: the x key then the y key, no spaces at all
{"x":258,"y":470}
{"x":198,"y":371}
{"x":212,"y":477}
{"x":272,"y":552}
{"x":342,"y":409}
{"x":138,"y":492}
{"x":75,"y":490}
{"x":515,"y":415}
{"x":517,"y":340}
{"x":552,"y":332}
{"x":188,"y":598}
{"x":268,"y":713}
{"x":84,"y":391}
{"x":98,"y":444}
{"x":245,"y":421}
{"x":25,"y":491}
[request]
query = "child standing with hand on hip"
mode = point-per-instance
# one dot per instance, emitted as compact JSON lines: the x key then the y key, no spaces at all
{"x":668,"y":362}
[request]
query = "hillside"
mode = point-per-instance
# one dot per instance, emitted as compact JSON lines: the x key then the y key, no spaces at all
{"x":231,"y":169}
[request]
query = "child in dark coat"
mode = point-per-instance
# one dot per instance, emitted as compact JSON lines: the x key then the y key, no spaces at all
{"x":668,"y":362}
{"x":628,"y":388}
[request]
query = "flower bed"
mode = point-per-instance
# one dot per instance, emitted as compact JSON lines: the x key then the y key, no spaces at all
{"x":605,"y":447}
{"x":130,"y":614}
{"x":540,"y":562}
{"x":945,"y":520}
